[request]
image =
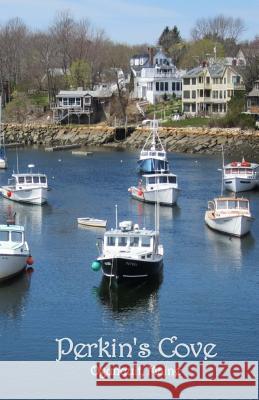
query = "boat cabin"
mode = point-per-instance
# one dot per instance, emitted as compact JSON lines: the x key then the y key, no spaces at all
{"x":22,"y":180}
{"x":11,"y":234}
{"x":158,"y":179}
{"x":229,"y":205}
{"x":240,"y":168}
{"x":161,"y":155}
{"x":129,"y":238}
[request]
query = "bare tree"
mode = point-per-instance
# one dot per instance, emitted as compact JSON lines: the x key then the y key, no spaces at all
{"x":218,"y":28}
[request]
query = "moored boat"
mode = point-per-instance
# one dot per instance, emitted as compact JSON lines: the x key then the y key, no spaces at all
{"x":28,"y":187}
{"x":14,"y":251}
{"x":153,"y":156}
{"x":87,"y":221}
{"x":240,"y":176}
{"x":161,"y":188}
{"x":129,"y":253}
{"x":229,"y":215}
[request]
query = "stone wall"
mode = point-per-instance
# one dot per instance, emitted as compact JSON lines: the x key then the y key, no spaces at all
{"x":187,"y":140}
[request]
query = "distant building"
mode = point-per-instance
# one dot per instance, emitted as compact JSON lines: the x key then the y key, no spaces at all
{"x":81,"y":106}
{"x":253,"y":99}
{"x":155,"y":76}
{"x":207,"y":89}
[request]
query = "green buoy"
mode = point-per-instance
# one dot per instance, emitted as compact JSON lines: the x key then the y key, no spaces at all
{"x":96,"y":265}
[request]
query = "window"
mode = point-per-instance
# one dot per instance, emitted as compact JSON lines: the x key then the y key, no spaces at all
{"x":151,"y":180}
{"x":43,"y":179}
{"x":243,"y":204}
{"x":150,"y":86}
{"x":21,"y":179}
{"x":172,"y":179}
{"x":193,"y":94}
{"x":186,"y":107}
{"x":28,"y":179}
{"x":220,"y":94}
{"x":178,"y":86}
{"x":193,"y":107}
{"x":221,"y":204}
{"x":193,"y":81}
{"x":36,"y":179}
{"x":161,"y":86}
{"x":163,"y":179}
{"x":145,"y":240}
{"x":157,"y":86}
{"x":200,"y":79}
{"x":186,"y":81}
{"x":225,"y":81}
{"x":232,"y":204}
{"x":186,"y":94}
{"x":78,"y":101}
{"x":16,"y":237}
{"x":71,"y":101}
{"x":134,"y":241}
{"x":122,"y":241}
{"x":111,"y":241}
{"x":207,"y":79}
{"x":201,"y":93}
{"x":4,"y":236}
{"x":173,"y":86}
{"x":166,"y":86}
{"x":65,"y":102}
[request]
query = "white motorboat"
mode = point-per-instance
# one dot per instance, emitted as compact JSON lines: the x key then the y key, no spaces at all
{"x":240,"y":176}
{"x":92,"y":222}
{"x":153,"y":156}
{"x":229,"y":215}
{"x":3,"y":158}
{"x":27,"y":188}
{"x":129,"y":253}
{"x":14,"y":251}
{"x":161,"y":188}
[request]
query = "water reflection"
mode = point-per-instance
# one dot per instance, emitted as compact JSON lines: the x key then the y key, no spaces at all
{"x":146,"y":212}
{"x":126,"y":299}
{"x":13,"y":295}
{"x":228,"y":248}
{"x":30,"y":216}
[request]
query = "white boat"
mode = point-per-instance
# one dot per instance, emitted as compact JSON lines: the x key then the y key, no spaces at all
{"x":162,"y":188}
{"x":129,"y":253}
{"x":3,"y":158}
{"x":14,"y":251}
{"x":27,"y":188}
{"x":240,"y":176}
{"x":99,"y":223}
{"x":153,"y":156}
{"x":229,"y":215}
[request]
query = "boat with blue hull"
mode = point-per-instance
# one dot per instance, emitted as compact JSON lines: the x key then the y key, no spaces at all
{"x":153,"y":156}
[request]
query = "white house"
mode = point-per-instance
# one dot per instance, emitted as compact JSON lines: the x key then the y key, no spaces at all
{"x":208,"y":89}
{"x":155,"y":76}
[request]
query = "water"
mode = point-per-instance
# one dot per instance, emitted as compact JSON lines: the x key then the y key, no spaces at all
{"x":210,"y":286}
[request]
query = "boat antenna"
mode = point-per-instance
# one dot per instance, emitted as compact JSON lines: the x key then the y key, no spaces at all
{"x":116,"y":216}
{"x":223,"y":163}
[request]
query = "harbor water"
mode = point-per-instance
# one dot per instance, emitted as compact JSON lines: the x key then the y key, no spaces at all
{"x":209,"y":291}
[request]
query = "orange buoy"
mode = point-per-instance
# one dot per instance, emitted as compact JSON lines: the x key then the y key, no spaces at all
{"x":9,"y":194}
{"x":29,"y":260}
{"x":140,"y":192}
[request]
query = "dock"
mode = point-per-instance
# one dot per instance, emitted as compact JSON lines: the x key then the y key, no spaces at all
{"x":63,"y":147}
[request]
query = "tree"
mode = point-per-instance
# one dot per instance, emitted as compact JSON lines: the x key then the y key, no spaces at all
{"x":80,"y":74}
{"x":219,"y":28}
{"x":169,"y":38}
{"x":199,"y":51}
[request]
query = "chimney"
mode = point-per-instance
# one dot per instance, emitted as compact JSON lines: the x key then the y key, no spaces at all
{"x":234,"y":62}
{"x":204,"y":64}
{"x":151,"y":56}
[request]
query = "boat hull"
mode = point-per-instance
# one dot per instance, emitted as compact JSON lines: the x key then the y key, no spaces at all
{"x":166,"y":197}
{"x":12,"y":265}
{"x":237,"y":184}
{"x":234,"y":225}
{"x":3,"y":163}
{"x":152,"y":165}
{"x":124,"y":270}
{"x":31,"y":196}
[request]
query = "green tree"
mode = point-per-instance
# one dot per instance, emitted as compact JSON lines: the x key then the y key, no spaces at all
{"x":199,"y":51}
{"x":169,"y":38}
{"x":80,"y":74}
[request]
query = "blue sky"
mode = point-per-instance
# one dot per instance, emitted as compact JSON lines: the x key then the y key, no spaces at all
{"x":133,"y":21}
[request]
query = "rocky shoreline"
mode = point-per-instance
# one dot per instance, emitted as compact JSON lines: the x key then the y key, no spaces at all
{"x":184,"y":140}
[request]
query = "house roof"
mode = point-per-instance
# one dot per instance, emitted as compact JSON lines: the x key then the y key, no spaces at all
{"x":82,"y":93}
{"x":144,"y":55}
{"x":215,"y":71}
{"x":192,"y":73}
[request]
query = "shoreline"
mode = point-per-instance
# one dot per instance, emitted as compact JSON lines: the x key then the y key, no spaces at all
{"x":191,"y":140}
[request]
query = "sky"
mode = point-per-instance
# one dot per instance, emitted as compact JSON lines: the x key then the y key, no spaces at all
{"x":133,"y":21}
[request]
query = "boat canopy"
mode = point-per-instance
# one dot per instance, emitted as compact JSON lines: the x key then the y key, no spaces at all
{"x":11,"y":233}
{"x":30,"y":178}
{"x":161,"y":178}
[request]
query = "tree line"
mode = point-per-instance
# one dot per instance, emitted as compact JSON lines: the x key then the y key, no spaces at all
{"x":71,"y":53}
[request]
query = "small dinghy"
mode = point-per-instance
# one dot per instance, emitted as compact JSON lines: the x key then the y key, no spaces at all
{"x":99,"y":223}
{"x":229,"y":215}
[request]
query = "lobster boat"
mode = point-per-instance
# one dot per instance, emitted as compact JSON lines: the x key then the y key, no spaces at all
{"x":240,"y":176}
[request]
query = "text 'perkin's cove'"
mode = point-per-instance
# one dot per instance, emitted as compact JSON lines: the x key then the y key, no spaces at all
{"x":168,"y":348}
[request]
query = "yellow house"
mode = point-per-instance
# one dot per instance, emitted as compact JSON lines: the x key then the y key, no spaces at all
{"x":208,"y":89}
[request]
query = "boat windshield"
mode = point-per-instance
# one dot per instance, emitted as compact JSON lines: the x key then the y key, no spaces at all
{"x":222,"y":204}
{"x":243,"y":204}
{"x":43,"y":179}
{"x":237,"y":171}
{"x":17,"y":237}
{"x":134,"y":241}
{"x":145,"y":241}
{"x":232,"y":204}
{"x":4,"y":236}
{"x":111,"y":240}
